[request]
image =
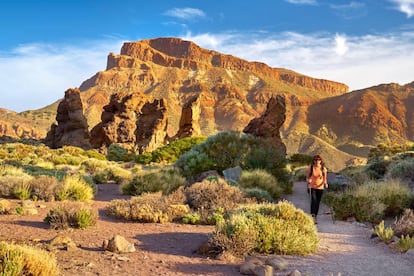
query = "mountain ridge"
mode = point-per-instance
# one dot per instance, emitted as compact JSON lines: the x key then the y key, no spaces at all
{"x":233,"y":91}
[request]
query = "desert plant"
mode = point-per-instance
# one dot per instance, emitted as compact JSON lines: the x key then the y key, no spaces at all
{"x":259,"y":194}
{"x":4,"y":207}
{"x":404,"y":225}
{"x":402,"y":170}
{"x":118,"y":153}
{"x":22,"y":191}
{"x":261,"y":179}
{"x":165,"y":180}
{"x":26,"y":260}
{"x":170,"y":152}
{"x":191,"y":218}
{"x":405,"y":243}
{"x":230,"y":149}
{"x":43,"y":187}
{"x":207,"y":196}
{"x":71,"y":215}
{"x":266,"y":228}
{"x":148,"y":207}
{"x":384,"y":233}
{"x":74,"y":188}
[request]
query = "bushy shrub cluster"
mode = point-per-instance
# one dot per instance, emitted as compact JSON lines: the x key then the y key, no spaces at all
{"x":170,"y":152}
{"x":149,"y":207}
{"x":371,"y":201}
{"x":261,"y":179}
{"x":75,"y":188}
{"x":404,"y":225}
{"x":230,"y":149}
{"x":267,"y":229}
{"x":26,"y":260}
{"x":166,"y":180}
{"x":72,"y":215}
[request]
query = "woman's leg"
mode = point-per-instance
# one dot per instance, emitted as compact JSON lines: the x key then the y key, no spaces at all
{"x":316,"y":196}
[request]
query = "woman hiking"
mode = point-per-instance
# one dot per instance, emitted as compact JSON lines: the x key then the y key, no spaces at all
{"x":317,"y":182}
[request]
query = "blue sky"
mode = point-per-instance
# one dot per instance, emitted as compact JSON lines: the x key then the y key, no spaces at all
{"x":47,"y":47}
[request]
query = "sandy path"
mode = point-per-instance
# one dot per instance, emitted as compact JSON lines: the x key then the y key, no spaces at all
{"x":346,"y":248}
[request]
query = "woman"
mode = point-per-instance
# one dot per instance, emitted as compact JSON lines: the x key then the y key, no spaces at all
{"x":317,"y":182}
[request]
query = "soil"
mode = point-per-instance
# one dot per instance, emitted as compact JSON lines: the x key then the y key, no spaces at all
{"x":171,"y":249}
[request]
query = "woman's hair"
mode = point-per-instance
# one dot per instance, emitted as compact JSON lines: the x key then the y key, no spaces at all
{"x":316,"y":157}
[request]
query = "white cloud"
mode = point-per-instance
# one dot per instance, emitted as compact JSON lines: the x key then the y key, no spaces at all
{"x":35,"y":75}
{"x":185,"y":13}
{"x":340,"y":45}
{"x":405,"y":6}
{"x":302,"y":2}
{"x":358,"y":61}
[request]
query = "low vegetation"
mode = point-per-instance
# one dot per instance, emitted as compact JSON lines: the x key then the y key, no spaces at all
{"x":26,"y":260}
{"x":266,"y":229}
{"x":72,"y":215}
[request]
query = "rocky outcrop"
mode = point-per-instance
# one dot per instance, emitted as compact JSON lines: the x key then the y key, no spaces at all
{"x":118,"y":120}
{"x":132,"y":120}
{"x":72,"y":127}
{"x":151,"y":126}
{"x":268,"y":125}
{"x":189,"y":120}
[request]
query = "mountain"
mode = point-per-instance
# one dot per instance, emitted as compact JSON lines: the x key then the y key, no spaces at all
{"x":321,"y":115}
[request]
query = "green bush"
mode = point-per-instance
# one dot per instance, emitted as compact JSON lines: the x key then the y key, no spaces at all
{"x":402,"y":170}
{"x":9,"y":185}
{"x":170,"y":152}
{"x":191,"y":219}
{"x":148,"y":207}
{"x":209,"y":195}
{"x":384,"y":233}
{"x":377,"y":169}
{"x":299,"y":160}
{"x":371,"y":201}
{"x":266,"y":229}
{"x":230,"y":149}
{"x":405,"y":243}
{"x":26,"y":260}
{"x":261,"y":179}
{"x":44,"y":187}
{"x":165,"y":180}
{"x":117,"y":153}
{"x":259,"y":194}
{"x":74,"y":188}
{"x":72,"y":215}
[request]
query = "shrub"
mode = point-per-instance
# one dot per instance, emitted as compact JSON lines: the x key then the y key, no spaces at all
{"x":165,"y":180}
{"x":405,"y":243}
{"x":377,"y":169}
{"x":74,"y":188}
{"x":404,"y":225}
{"x":383,"y":233}
{"x":111,"y":173}
{"x":149,"y":207}
{"x":4,"y":207}
{"x":208,"y":195}
{"x":72,"y":215}
{"x":230,"y":149}
{"x":261,"y":179}
{"x":258,"y":194}
{"x":26,"y":260}
{"x":117,"y":153}
{"x":299,"y":159}
{"x":266,"y":229}
{"x":170,"y":152}
{"x":43,"y":187}
{"x":22,"y":190}
{"x":402,"y":170}
{"x":191,"y":219}
{"x":8,"y":184}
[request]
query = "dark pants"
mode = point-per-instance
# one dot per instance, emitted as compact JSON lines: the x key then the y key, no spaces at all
{"x":316,"y":196}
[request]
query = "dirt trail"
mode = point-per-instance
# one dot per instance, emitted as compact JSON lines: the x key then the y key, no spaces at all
{"x":346,"y":248}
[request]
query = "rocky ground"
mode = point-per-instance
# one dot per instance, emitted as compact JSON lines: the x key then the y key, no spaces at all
{"x":171,"y":249}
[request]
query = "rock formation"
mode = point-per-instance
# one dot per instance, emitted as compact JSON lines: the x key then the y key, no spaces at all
{"x":132,"y":120}
{"x":268,"y":125}
{"x":118,"y":120}
{"x":189,"y":120}
{"x":71,"y":128}
{"x":151,"y":126}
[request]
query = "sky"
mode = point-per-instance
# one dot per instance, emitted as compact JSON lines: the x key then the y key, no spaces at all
{"x":48,"y":46}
